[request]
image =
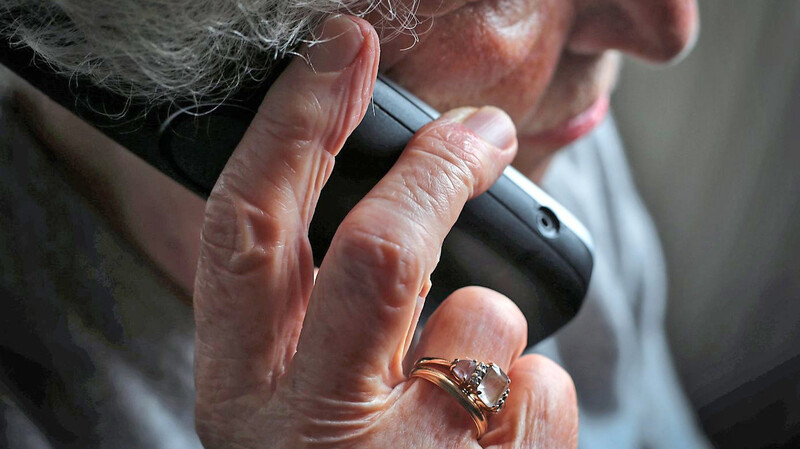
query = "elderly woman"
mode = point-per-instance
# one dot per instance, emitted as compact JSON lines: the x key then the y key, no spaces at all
{"x":284,"y":357}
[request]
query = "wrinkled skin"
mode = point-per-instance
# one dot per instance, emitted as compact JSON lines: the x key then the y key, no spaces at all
{"x":541,"y":61}
{"x":283,"y":361}
{"x":548,"y":65}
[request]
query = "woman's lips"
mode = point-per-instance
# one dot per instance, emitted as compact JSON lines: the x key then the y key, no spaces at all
{"x":571,"y":129}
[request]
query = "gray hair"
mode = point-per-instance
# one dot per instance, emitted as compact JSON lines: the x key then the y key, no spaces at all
{"x":177,"y":50}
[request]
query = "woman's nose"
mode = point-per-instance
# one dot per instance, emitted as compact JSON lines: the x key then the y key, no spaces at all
{"x":656,"y":30}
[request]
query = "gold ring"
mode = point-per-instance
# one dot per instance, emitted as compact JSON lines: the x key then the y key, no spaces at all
{"x":479,"y":387}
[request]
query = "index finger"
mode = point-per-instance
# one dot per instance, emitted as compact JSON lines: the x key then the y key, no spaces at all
{"x":255,"y":271}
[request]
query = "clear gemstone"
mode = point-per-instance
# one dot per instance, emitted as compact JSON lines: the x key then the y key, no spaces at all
{"x":493,"y":386}
{"x":463,"y":369}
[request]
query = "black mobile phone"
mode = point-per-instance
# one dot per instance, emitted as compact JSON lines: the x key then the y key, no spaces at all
{"x":514,"y":238}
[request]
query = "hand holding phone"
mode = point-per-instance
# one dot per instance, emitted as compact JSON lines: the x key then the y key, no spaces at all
{"x":339,"y":379}
{"x":514,"y":239}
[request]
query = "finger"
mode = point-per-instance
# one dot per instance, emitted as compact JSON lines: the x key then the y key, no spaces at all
{"x":256,"y":271}
{"x":382,"y":255}
{"x":540,"y":412}
{"x":473,"y":323}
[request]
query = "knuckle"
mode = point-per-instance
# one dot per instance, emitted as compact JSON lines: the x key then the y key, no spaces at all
{"x":376,"y":260}
{"x":219,"y":222}
{"x":418,"y":199}
{"x":238,"y":236}
{"x":462,"y":158}
{"x":292,"y":120}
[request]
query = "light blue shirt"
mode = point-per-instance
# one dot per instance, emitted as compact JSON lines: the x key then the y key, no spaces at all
{"x":616,"y":349}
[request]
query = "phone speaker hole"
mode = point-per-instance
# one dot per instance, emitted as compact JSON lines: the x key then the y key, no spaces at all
{"x":547,"y":222}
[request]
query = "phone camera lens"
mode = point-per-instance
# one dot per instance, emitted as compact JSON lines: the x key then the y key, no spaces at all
{"x":547,"y":222}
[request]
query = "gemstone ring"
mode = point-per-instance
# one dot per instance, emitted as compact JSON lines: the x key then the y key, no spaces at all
{"x":479,"y":387}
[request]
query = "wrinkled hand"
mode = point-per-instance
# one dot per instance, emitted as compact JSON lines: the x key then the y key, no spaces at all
{"x":284,"y":362}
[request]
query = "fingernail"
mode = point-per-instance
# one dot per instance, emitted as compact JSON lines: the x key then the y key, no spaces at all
{"x":492,"y":125}
{"x":340,"y":42}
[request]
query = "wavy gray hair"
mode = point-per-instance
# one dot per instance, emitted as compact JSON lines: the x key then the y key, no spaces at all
{"x":177,"y":50}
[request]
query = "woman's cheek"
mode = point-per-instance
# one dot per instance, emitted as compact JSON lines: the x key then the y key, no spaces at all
{"x":499,"y":52}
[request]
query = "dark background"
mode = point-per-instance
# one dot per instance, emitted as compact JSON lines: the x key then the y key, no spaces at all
{"x":715,"y":145}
